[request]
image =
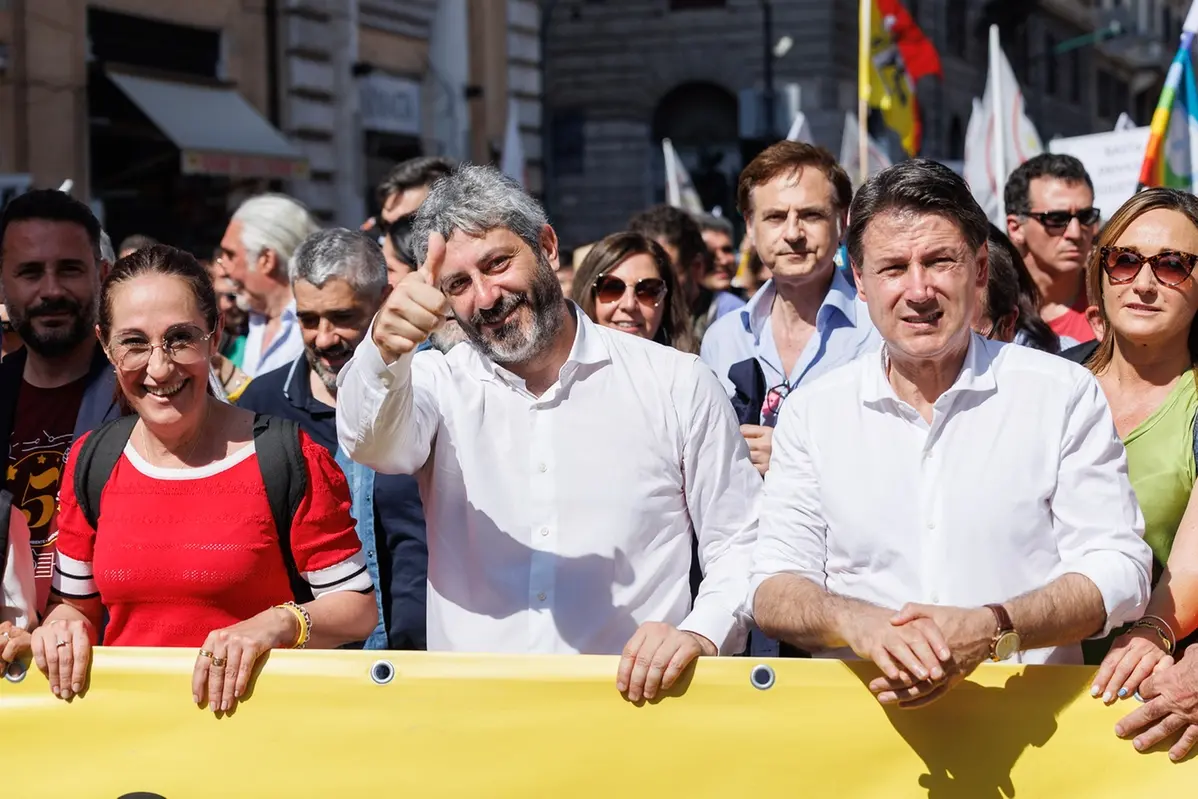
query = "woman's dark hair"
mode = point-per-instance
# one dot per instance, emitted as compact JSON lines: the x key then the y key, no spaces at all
{"x":1010,"y":287}
{"x":160,"y":260}
{"x":675,"y":330}
{"x":400,"y":233}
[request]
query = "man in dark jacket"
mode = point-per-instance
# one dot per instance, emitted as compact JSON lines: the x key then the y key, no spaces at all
{"x":340,"y":279}
{"x":60,"y":385}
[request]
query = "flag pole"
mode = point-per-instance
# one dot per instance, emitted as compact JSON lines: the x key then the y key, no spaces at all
{"x":672,"y":193}
{"x":1000,"y":131}
{"x":864,"y":47}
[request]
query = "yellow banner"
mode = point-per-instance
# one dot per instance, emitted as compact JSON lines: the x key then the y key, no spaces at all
{"x":318,"y":724}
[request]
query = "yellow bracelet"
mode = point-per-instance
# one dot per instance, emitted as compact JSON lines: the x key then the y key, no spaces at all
{"x":305,"y":623}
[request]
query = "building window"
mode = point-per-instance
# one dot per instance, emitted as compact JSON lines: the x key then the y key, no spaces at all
{"x":956,"y":138}
{"x":687,"y":5}
{"x":956,"y":28}
{"x":569,"y":141}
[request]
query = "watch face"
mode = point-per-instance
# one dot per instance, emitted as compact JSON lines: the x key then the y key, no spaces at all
{"x":1007,"y":646}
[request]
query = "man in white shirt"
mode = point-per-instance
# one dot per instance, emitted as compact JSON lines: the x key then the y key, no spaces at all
{"x":565,"y":469}
{"x":950,"y":499}
{"x":263,"y":234}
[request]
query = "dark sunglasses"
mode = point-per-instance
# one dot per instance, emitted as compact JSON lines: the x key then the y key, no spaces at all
{"x":1061,"y":219}
{"x":609,"y":289}
{"x":1170,"y":267}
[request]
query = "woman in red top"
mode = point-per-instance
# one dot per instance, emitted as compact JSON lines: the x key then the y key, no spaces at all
{"x":185,"y":552}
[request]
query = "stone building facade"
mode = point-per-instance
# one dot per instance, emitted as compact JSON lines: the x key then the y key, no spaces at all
{"x":623,"y":74}
{"x":165,"y":113}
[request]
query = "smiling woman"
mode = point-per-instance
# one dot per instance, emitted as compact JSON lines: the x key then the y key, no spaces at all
{"x":185,"y":551}
{"x":626,"y":283}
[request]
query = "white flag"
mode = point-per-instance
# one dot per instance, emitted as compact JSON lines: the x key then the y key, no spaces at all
{"x":512,"y":163}
{"x":800,"y":129}
{"x":680,"y":191}
{"x":1000,"y":136}
{"x":850,"y":151}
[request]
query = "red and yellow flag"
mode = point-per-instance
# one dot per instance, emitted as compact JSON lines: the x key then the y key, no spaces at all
{"x":899,"y":55}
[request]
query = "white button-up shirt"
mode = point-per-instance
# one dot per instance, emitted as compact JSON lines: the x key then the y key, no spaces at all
{"x":559,"y":524}
{"x":1019,"y":479}
{"x":285,"y":347}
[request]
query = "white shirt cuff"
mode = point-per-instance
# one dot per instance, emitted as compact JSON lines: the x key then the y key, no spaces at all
{"x":716,"y":625}
{"x":1125,"y":585}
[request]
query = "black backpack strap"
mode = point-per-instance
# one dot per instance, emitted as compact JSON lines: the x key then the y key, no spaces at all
{"x":11,"y":370}
{"x":95,"y":462}
{"x":5,"y":518}
{"x":285,"y":475}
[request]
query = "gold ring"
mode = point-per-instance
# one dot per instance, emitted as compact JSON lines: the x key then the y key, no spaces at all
{"x":204,"y":653}
{"x":219,"y":663}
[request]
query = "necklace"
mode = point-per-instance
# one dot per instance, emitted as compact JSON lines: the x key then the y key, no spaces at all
{"x":190,"y":450}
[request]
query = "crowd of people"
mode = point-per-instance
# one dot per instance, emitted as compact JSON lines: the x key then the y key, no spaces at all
{"x":900,"y":434}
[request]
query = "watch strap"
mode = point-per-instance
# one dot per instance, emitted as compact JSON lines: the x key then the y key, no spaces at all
{"x":1005,"y":625}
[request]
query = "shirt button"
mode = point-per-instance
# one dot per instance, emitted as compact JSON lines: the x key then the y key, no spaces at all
{"x":370,"y":554}
{"x":931,"y":525}
{"x":935,"y":597}
{"x":544,"y":531}
{"x":541,"y":596}
{"x":542,"y":467}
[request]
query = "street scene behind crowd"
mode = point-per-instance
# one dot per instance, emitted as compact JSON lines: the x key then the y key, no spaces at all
{"x":862,"y":418}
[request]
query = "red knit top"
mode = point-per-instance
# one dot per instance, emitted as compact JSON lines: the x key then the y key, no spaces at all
{"x":182,"y":552}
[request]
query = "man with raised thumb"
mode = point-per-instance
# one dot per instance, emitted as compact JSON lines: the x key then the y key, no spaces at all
{"x":565,"y":469}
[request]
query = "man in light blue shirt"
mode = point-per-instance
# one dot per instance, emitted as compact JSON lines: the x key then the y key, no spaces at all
{"x":807,"y":319}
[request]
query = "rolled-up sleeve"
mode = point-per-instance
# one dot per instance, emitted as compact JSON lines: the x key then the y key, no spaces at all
{"x":1098,"y":523}
{"x":722,"y":492}
{"x":18,"y":597}
{"x":792,"y":531}
{"x":387,"y":414}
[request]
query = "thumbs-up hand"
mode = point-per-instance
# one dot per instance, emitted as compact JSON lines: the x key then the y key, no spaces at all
{"x":415,"y":308}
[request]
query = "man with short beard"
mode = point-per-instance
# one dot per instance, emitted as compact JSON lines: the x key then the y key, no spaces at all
{"x":60,"y":385}
{"x":340,"y":279}
{"x":566,"y":468}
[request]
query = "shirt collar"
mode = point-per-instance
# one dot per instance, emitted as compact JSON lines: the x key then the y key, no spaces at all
{"x":298,"y":390}
{"x":588,"y":349}
{"x":288,"y":315}
{"x":976,"y":375}
{"x":841,"y":296}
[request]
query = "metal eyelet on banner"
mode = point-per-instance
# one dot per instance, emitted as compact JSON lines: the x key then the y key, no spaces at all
{"x":15,"y":672}
{"x":382,"y":672}
{"x":762,"y":677}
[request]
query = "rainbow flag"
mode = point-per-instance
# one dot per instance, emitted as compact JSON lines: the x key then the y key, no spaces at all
{"x":1171,"y":158}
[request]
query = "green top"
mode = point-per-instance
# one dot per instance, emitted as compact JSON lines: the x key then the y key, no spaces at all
{"x":1160,"y":462}
{"x":235,"y":350}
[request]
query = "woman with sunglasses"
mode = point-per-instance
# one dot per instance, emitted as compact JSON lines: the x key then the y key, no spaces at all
{"x":626,"y":283}
{"x":1140,"y":277}
{"x":186,"y":553}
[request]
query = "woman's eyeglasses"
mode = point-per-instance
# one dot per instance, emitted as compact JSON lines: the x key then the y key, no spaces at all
{"x":650,"y":291}
{"x":183,"y":347}
{"x":1170,"y":267}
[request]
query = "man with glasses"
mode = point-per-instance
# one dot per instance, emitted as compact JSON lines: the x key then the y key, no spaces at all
{"x":60,"y":385}
{"x":1052,"y":221}
{"x":806,"y":320}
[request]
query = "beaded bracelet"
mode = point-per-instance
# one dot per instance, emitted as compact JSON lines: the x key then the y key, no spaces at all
{"x":305,"y":623}
{"x":1161,"y":628}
